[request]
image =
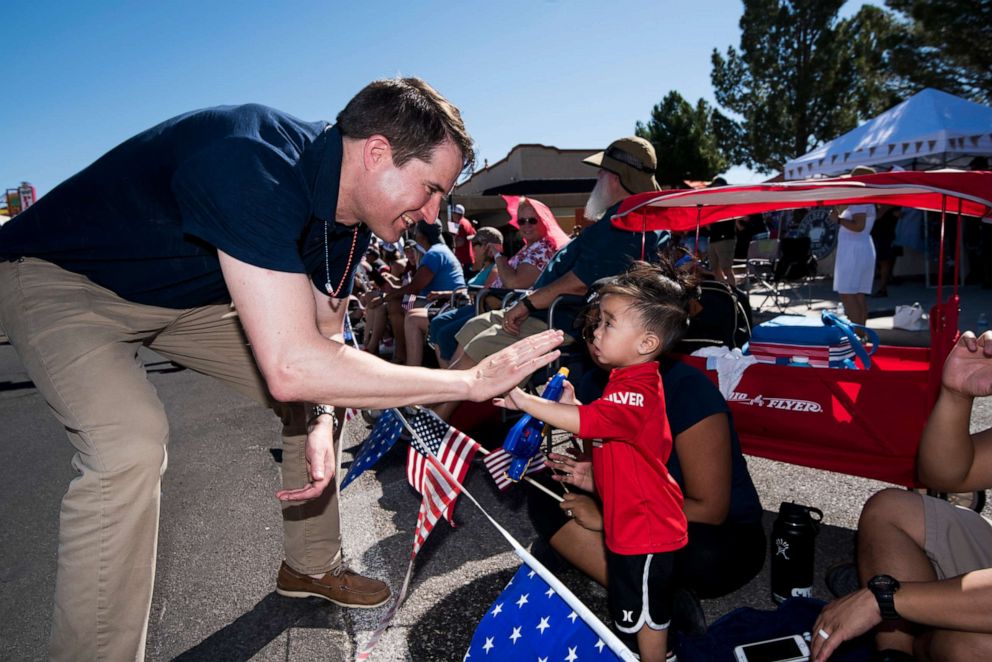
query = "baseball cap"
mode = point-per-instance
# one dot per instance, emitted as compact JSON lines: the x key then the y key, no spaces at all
{"x":458,"y":209}
{"x":487,"y":235}
{"x":633,"y":160}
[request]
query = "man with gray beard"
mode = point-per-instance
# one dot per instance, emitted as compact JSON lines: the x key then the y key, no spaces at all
{"x":601,"y":250}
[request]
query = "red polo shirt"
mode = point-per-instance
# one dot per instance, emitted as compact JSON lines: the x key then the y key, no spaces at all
{"x":642,"y":503}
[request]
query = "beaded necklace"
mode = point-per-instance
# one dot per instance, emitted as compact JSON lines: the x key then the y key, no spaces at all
{"x":327,"y":263}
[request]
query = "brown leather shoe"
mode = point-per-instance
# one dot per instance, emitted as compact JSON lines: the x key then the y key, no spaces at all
{"x":341,"y":586}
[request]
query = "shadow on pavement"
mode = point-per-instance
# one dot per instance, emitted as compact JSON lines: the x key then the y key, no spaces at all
{"x":267,"y":621}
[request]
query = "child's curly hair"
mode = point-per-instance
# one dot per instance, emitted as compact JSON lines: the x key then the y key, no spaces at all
{"x":662,"y":295}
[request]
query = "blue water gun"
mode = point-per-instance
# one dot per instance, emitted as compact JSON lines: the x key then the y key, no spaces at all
{"x":524,"y":438}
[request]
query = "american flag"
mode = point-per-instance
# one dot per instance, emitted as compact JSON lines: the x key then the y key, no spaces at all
{"x":436,"y":444}
{"x":384,"y":434}
{"x":499,"y":460}
{"x":530,"y":621}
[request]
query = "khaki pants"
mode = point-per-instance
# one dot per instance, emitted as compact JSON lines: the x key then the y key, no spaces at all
{"x":79,"y":344}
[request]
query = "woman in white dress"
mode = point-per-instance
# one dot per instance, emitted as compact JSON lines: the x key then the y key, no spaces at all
{"x":854,"y":267}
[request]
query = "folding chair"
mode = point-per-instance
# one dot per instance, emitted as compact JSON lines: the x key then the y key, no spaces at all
{"x":797,"y":264}
{"x":762,"y":256}
{"x":772,"y":263}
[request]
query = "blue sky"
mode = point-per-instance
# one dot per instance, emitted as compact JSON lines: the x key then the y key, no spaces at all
{"x":83,"y":76}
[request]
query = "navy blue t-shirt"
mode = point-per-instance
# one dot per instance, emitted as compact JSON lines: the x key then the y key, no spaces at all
{"x":601,"y":250}
{"x":691,"y":397}
{"x":147,"y":218}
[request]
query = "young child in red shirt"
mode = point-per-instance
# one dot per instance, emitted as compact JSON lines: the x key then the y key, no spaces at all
{"x":642,"y":313}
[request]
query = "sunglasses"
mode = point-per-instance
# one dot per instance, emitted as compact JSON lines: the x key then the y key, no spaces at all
{"x":528,"y":221}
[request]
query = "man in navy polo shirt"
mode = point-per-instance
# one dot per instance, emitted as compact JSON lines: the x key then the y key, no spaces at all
{"x":148,"y":246}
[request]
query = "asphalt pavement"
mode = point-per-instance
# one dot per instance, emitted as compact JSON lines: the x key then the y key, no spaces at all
{"x":220,"y":533}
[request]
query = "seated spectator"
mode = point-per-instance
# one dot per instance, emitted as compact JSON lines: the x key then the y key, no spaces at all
{"x":484,"y":265}
{"x":395,"y":268}
{"x":447,"y":307}
{"x":726,"y":546}
{"x":926,"y":564}
{"x":438,"y":270}
{"x":542,"y":236}
{"x":626,"y":167}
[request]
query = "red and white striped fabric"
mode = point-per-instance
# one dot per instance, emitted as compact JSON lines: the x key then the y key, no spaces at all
{"x":498,"y":461}
{"x":436,"y":442}
{"x":820,"y":356}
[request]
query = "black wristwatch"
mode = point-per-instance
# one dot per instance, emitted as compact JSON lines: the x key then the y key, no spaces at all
{"x":884,"y":588}
{"x":528,"y":304}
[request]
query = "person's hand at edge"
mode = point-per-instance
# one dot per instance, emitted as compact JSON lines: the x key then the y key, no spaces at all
{"x":968,"y":368}
{"x":842,"y":620}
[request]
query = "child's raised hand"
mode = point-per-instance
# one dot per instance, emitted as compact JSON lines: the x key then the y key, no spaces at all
{"x":508,"y":401}
{"x":968,"y":369}
{"x":568,"y":394}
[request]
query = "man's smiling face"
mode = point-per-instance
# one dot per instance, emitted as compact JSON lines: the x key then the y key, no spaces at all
{"x":399,"y":196}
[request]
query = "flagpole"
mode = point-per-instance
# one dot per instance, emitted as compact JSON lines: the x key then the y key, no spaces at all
{"x":597,"y":626}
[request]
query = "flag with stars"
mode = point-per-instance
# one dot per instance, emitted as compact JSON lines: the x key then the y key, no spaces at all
{"x":384,"y":434}
{"x":498,"y":461}
{"x":436,"y":444}
{"x":530,"y":621}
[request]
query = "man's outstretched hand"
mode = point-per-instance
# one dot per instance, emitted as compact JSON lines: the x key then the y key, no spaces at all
{"x":499,"y":373}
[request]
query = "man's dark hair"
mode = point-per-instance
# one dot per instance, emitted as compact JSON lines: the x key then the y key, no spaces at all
{"x":411,"y":115}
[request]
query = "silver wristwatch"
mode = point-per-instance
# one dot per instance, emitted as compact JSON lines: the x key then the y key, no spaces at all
{"x":318,"y":410}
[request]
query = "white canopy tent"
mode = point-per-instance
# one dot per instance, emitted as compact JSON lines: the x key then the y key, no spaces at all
{"x":931,"y":129}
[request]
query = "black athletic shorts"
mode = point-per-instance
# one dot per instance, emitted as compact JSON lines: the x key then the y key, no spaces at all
{"x":640,"y":590}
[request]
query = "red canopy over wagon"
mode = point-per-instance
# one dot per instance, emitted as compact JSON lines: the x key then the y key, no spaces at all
{"x":859,"y":422}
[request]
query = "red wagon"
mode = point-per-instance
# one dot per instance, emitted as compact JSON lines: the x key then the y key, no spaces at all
{"x":858,"y":422}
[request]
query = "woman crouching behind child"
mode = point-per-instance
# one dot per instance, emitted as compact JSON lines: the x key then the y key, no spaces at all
{"x":642,"y":313}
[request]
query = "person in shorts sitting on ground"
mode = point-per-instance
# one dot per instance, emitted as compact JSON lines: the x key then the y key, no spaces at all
{"x":631,"y":440}
{"x":927,"y":564}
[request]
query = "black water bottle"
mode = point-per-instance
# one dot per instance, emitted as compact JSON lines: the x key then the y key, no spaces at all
{"x":792,"y":549}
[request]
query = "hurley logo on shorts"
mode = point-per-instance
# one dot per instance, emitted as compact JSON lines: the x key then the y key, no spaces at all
{"x":628,"y":398}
